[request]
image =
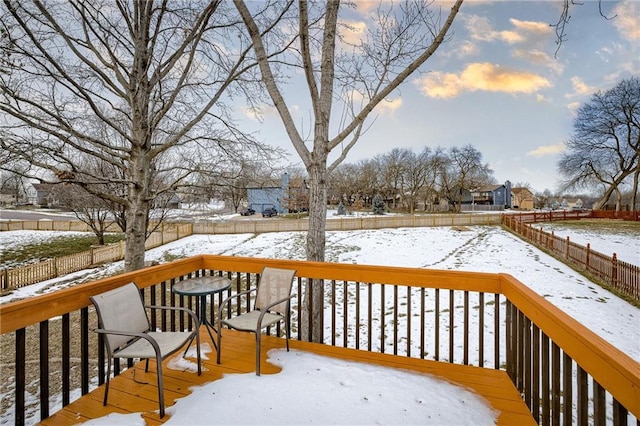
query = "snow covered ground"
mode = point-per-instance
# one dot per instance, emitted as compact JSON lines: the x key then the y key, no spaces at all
{"x":624,"y":244}
{"x":482,"y":249}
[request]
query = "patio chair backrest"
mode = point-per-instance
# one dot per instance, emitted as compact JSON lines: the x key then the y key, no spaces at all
{"x":275,"y":284}
{"x":121,"y":309}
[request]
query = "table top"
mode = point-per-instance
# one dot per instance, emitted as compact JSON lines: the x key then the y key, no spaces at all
{"x":201,"y":286}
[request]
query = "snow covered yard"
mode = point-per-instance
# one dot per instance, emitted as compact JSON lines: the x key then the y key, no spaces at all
{"x":482,"y":249}
{"x":479,"y":249}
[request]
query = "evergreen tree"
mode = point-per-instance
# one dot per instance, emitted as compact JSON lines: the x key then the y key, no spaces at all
{"x":341,"y":209}
{"x":378,"y":204}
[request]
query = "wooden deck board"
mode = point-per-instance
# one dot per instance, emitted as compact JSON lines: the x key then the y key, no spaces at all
{"x":136,"y":391}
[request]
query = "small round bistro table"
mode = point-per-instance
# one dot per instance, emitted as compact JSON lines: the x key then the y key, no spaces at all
{"x":202,"y":287}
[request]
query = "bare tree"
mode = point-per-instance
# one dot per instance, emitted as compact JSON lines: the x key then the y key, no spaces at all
{"x":393,"y":167}
{"x":418,"y":173}
{"x":604,"y":150}
{"x":464,"y":171}
{"x":357,"y":76}
{"x":13,"y":182}
{"x":142,"y":85}
{"x":88,"y":208}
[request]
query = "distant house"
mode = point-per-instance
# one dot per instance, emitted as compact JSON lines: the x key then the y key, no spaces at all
{"x":44,"y":195}
{"x":167,"y":200}
{"x":270,"y":194}
{"x":522,"y":198}
{"x":566,"y":203}
{"x":463,"y":195}
{"x":287,"y":196}
{"x":574,"y":203}
{"x":492,"y":195}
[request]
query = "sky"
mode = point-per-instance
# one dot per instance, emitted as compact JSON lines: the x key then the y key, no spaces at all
{"x":481,"y":249}
{"x":497,"y":84}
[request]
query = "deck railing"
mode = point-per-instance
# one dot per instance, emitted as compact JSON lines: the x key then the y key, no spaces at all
{"x":566,"y":373}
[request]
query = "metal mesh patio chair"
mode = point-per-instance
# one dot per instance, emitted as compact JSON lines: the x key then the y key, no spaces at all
{"x":123,"y":321}
{"x":271,"y":306}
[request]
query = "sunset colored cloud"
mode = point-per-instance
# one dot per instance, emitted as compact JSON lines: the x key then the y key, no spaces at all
{"x":353,"y":32}
{"x":388,"y":106}
{"x":481,"y":76}
{"x":580,"y":87}
{"x":545,"y":150}
{"x":481,"y":29}
{"x":627,"y":20}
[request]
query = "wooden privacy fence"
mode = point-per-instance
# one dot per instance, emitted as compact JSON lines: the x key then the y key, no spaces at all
{"x":346,"y":223}
{"x":52,"y":268}
{"x":52,"y":225}
{"x":621,"y":276}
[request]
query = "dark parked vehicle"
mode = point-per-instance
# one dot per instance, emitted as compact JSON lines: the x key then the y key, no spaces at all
{"x":269,"y":211}
{"x":247,"y":212}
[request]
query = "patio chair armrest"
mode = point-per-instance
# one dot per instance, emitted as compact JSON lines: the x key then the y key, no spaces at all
{"x":266,"y":309}
{"x":144,"y":336}
{"x":118,"y":332}
{"x":175,"y":308}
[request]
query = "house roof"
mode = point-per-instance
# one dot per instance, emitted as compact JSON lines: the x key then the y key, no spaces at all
{"x":489,"y":188}
{"x":520,"y":189}
{"x":43,"y":186}
{"x":264,"y":184}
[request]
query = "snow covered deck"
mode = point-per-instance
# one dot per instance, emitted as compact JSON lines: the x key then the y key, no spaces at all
{"x":137,"y":393}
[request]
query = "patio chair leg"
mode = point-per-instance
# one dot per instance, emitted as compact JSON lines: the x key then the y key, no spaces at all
{"x":287,"y":333}
{"x":106,"y":385}
{"x":219,"y":348}
{"x":160,"y":388}
{"x":198,"y":353}
{"x":258,"y":354}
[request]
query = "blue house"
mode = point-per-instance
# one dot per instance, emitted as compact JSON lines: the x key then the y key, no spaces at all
{"x":493,"y":195}
{"x":269,"y":195}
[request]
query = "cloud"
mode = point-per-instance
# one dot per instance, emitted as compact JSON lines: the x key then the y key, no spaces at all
{"x":532,"y":27}
{"x":480,"y":29}
{"x":387,"y":106}
{"x":481,"y":76}
{"x":365,"y":6}
{"x":580,"y":87}
{"x":538,"y":57}
{"x":627,"y":19}
{"x":545,"y":150}
{"x":353,"y":32}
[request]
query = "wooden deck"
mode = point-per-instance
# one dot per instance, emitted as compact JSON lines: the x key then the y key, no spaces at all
{"x":128,"y":395}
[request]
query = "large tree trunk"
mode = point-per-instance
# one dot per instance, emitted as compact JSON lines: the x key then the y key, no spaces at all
{"x":605,"y":198}
{"x":314,"y":295}
{"x":137,"y":214}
